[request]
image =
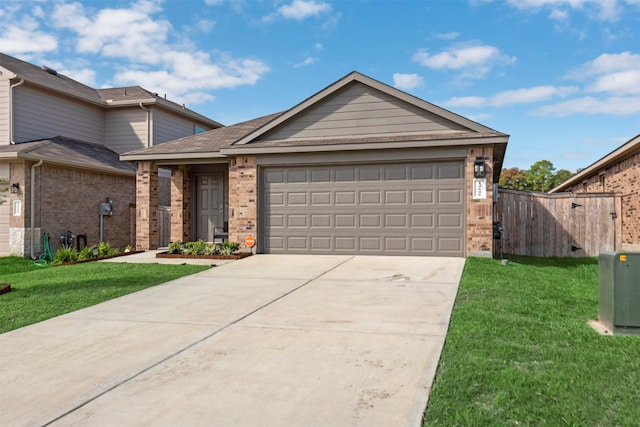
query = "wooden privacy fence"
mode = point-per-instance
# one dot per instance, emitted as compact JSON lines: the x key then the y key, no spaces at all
{"x":562,"y":225}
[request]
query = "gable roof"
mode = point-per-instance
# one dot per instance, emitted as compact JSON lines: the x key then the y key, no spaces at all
{"x":622,"y":152}
{"x":50,"y":79}
{"x":199,"y":146}
{"x":251,"y":137}
{"x":69,"y":152}
{"x":355,"y":77}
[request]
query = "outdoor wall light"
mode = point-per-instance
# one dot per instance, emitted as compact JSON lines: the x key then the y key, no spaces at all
{"x":479,"y":168}
{"x":15,"y":187}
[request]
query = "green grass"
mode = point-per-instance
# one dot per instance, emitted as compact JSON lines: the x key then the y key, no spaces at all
{"x":39,"y":293}
{"x":520,"y":352}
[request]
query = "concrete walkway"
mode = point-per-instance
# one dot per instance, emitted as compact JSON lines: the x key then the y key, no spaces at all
{"x":270,"y":340}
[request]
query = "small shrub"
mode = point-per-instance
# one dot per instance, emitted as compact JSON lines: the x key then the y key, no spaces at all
{"x":105,"y":250}
{"x":65,"y":254}
{"x":175,"y":247}
{"x":86,"y":253}
{"x":199,"y":247}
{"x":228,"y":248}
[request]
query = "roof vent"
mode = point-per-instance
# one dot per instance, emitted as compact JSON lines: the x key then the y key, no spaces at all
{"x":49,"y":70}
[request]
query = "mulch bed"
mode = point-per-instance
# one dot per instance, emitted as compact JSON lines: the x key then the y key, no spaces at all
{"x":239,"y":255}
{"x":4,"y":288}
{"x":97,"y":259}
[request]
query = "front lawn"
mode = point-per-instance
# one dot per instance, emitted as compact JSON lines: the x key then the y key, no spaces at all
{"x":519,"y":350}
{"x":39,"y":293}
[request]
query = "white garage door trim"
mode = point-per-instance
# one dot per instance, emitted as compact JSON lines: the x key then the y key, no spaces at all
{"x":392,"y":209}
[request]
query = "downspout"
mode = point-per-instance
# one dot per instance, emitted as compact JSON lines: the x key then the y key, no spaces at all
{"x":33,"y":201}
{"x":149,"y":123}
{"x":11,"y":141}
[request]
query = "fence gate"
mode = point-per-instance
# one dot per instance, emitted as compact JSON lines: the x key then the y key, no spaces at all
{"x":562,"y":225}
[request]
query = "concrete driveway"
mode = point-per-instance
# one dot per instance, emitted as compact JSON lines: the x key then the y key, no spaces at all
{"x":270,"y":340}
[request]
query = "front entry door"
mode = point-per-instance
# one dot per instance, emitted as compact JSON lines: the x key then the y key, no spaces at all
{"x":210,"y":205}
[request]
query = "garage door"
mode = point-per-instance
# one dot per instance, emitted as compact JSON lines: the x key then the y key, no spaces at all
{"x":381,"y":209}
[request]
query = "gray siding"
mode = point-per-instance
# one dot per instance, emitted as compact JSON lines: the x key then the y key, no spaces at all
{"x":361,"y":111}
{"x":125,"y":129}
{"x":4,"y":111}
{"x":39,"y":114}
{"x":167,"y":127}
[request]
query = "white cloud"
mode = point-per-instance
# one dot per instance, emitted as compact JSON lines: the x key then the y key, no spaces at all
{"x":619,"y":83}
{"x":605,"y":10}
{"x":205,"y":25}
{"x":466,"y":101}
{"x":512,"y":97}
{"x":302,"y":9}
{"x":130,"y":33}
{"x":613,"y":73}
{"x":135,"y":33}
{"x":591,"y":106}
{"x":213,"y":2}
{"x":475,"y":59}
{"x":559,"y":15}
{"x":448,"y":36}
{"x":407,"y":81}
{"x":24,"y":36}
{"x":309,"y":61}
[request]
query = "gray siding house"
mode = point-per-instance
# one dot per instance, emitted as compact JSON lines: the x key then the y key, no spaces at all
{"x":60,"y":142}
{"x":357,"y":168}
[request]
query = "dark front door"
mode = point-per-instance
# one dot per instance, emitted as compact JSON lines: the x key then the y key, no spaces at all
{"x":210,"y":205}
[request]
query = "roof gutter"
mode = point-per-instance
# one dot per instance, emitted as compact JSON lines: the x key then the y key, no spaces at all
{"x":21,"y":82}
{"x":32,"y":190}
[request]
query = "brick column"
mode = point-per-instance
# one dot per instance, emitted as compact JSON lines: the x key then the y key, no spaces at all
{"x":243,"y":189}
{"x":479,"y":211}
{"x":146,"y":206}
{"x":181,"y":204}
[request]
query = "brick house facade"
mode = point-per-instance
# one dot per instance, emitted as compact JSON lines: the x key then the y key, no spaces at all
{"x":440,"y":150}
{"x":618,"y":172}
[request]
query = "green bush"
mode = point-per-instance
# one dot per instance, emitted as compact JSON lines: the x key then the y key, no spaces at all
{"x":86,"y":253}
{"x":105,"y":249}
{"x":175,"y":247}
{"x":65,"y":254}
{"x":199,"y":247}
{"x":227,"y":248}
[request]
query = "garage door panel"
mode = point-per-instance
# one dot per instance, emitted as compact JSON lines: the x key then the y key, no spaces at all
{"x":320,"y":198}
{"x":401,"y":209}
{"x":370,"y":197}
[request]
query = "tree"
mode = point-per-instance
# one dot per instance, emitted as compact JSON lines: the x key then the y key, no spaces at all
{"x":512,"y":178}
{"x":540,"y":175}
{"x":561,"y":176}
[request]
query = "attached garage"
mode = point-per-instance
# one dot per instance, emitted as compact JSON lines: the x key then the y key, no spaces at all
{"x":398,"y":208}
{"x":359,"y":167}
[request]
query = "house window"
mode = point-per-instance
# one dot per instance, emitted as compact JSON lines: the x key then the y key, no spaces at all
{"x":200,"y":129}
{"x":602,"y":183}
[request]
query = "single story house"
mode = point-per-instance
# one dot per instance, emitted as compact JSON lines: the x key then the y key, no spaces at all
{"x":357,"y":168}
{"x":618,"y":172}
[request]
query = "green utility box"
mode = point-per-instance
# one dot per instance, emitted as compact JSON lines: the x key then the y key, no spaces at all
{"x":619,"y":281}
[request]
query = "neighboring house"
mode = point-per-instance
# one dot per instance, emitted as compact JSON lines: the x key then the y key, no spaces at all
{"x":618,"y":172}
{"x":60,"y":142}
{"x":358,"y":168}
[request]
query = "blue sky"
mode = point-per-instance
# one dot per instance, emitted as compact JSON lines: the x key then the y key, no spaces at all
{"x":562,"y":77}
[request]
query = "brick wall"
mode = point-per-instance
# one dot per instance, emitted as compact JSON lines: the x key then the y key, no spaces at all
{"x":479,"y":211}
{"x":243,"y":190}
{"x":621,"y":178}
{"x":68,"y":199}
{"x":146,"y":206}
{"x":181,"y":204}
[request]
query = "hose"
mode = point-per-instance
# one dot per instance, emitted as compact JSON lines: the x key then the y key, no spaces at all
{"x":47,"y":256}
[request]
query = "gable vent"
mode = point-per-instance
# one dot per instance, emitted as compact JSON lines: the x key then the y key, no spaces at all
{"x":49,"y":70}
